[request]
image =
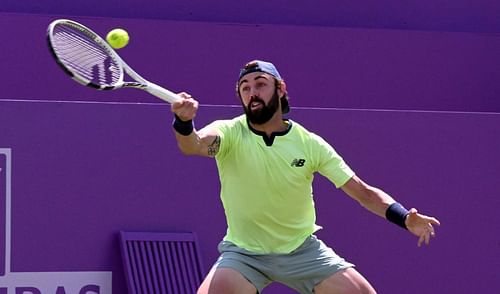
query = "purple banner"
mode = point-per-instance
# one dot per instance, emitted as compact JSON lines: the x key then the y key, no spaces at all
{"x":85,"y":171}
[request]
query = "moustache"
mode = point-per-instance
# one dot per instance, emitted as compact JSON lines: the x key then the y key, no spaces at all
{"x":256,"y":99}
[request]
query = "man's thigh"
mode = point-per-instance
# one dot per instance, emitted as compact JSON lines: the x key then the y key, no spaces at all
{"x":225,"y":281}
{"x":347,"y":281}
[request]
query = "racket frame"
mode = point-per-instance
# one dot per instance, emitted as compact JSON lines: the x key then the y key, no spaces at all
{"x":139,"y":81}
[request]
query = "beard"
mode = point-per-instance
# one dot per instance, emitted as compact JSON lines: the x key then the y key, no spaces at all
{"x":265,"y":113}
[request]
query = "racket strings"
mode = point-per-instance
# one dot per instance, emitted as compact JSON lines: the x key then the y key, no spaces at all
{"x":85,"y":57}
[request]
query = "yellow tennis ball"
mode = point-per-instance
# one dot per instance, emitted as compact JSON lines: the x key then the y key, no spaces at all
{"x":117,"y":38}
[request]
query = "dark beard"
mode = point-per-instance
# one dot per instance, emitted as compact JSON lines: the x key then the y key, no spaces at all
{"x":264,"y":114}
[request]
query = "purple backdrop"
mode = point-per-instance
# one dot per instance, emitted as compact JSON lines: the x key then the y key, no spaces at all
{"x":324,"y":67}
{"x":83,"y":171}
{"x":444,"y":15}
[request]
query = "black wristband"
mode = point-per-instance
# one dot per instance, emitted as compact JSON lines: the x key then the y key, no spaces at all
{"x":396,"y":213}
{"x":184,"y":128}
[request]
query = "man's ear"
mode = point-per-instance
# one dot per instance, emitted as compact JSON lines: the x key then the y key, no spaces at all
{"x":281,"y":88}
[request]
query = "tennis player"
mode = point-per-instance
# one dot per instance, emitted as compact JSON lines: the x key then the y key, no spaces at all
{"x":266,"y":165}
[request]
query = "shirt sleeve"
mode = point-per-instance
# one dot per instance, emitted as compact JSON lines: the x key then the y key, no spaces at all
{"x":330,"y":164}
{"x":223,"y":129}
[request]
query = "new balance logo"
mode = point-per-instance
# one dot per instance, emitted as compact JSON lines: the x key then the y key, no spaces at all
{"x":298,"y":162}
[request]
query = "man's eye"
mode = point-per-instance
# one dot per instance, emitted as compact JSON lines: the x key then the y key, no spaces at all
{"x":245,"y":89}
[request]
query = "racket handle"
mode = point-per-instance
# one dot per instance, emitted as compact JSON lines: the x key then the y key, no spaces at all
{"x":162,"y":93}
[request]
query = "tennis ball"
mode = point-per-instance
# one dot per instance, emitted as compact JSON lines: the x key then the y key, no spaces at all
{"x":117,"y":38}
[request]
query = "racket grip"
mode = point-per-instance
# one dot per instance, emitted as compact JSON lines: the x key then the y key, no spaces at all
{"x":162,"y":93}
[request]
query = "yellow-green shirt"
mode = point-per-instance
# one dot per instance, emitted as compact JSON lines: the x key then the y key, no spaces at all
{"x":266,"y":183}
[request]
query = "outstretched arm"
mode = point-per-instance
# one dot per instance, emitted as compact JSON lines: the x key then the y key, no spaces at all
{"x":204,"y":142}
{"x":378,"y":202}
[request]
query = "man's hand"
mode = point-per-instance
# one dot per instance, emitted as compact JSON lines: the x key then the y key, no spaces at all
{"x":186,"y":108}
{"x":421,"y":226}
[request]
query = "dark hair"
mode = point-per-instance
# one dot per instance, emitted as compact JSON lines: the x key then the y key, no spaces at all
{"x":285,"y":106}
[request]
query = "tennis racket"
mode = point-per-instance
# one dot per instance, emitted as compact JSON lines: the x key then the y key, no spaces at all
{"x":91,"y":61}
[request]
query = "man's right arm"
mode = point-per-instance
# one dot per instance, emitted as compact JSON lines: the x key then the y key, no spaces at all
{"x":204,"y":142}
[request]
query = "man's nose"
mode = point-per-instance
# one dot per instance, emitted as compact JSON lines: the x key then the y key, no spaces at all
{"x":254,"y":92}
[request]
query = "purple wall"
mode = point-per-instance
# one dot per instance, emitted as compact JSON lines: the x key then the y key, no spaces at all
{"x":324,"y":67}
{"x":83,"y":171}
{"x":443,"y":15}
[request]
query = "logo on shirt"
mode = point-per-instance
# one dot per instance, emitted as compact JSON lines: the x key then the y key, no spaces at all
{"x":298,"y":162}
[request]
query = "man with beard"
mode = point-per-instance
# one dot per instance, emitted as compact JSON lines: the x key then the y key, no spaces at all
{"x":266,"y":165}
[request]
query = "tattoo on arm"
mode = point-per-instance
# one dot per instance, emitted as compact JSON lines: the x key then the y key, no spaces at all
{"x":213,"y":148}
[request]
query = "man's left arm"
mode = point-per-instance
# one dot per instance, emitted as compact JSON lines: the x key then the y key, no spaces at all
{"x":383,"y":205}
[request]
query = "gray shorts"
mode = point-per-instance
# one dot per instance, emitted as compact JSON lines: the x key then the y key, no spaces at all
{"x":301,"y":269}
